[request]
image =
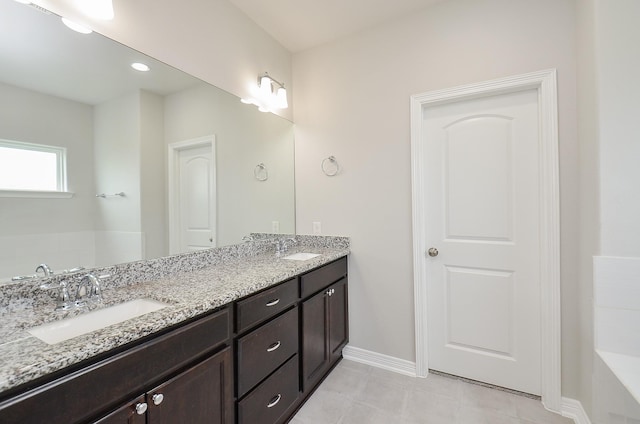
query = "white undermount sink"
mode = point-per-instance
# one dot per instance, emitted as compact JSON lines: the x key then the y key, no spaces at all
{"x":68,"y":328}
{"x":302,"y":256}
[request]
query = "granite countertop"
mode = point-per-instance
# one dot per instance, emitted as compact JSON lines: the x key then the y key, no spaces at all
{"x":24,"y":358}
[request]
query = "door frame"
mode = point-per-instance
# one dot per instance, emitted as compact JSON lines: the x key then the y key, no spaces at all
{"x":545,"y":84}
{"x":172,"y":164}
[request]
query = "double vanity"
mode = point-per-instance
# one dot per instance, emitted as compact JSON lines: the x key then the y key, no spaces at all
{"x":241,"y":336}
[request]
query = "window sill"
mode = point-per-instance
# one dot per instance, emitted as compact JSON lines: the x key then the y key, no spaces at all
{"x":33,"y":194}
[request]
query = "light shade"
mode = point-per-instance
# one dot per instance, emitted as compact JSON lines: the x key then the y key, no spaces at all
{"x":282,"y":98}
{"x":265,"y":87}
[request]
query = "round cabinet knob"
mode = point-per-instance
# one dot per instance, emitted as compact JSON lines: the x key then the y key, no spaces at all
{"x":141,"y":408}
{"x":433,"y":252}
{"x":157,"y":398}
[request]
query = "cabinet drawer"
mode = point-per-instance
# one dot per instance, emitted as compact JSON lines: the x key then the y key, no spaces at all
{"x":320,"y":278}
{"x":265,"y":304}
{"x":271,"y":399}
{"x":265,"y":349}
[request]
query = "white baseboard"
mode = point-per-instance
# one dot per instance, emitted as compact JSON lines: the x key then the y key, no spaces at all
{"x":573,"y":409}
{"x":379,"y":360}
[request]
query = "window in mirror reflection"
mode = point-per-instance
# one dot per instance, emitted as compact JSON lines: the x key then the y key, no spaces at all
{"x":31,"y":167}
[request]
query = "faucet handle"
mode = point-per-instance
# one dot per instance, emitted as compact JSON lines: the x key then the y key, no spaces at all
{"x":96,"y":291}
{"x":46,"y":271}
{"x":63,"y":301}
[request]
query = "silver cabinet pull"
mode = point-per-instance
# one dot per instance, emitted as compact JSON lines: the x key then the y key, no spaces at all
{"x":141,"y":408}
{"x":157,"y":398}
{"x":273,"y":346}
{"x":273,"y":302}
{"x":274,"y":401}
{"x":433,"y":252}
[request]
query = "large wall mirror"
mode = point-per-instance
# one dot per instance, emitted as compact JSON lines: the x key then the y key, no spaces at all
{"x":182,"y":165}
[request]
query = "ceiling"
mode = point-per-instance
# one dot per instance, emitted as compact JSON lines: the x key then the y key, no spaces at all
{"x":301,"y":24}
{"x":39,"y":53}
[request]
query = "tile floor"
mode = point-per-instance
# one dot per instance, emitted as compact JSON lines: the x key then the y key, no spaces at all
{"x":359,"y":394}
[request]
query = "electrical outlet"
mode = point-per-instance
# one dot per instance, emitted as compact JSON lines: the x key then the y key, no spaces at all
{"x":275,"y":227}
{"x":317,"y":228}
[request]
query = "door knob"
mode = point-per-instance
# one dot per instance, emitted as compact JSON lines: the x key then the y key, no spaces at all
{"x":433,"y":252}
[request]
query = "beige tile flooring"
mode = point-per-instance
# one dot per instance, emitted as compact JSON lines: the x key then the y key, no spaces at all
{"x":359,"y":394}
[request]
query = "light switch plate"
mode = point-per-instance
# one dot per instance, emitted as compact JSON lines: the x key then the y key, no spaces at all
{"x":317,"y":228}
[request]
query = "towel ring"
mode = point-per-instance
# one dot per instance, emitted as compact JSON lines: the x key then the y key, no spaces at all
{"x":260,"y":172}
{"x":330,"y":166}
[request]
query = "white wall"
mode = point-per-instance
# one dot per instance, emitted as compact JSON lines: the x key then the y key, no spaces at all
{"x":51,"y":230}
{"x":610,"y":136}
{"x":619,"y":90}
{"x":117,"y":163}
{"x":244,"y":138}
{"x":34,"y":117}
{"x":211,"y":40}
{"x":589,"y":233}
{"x":352,"y":101}
{"x":152,"y":175}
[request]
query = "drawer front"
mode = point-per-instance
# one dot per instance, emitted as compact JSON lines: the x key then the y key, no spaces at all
{"x":271,"y":399}
{"x":322,"y":277}
{"x":263,"y":305}
{"x":116,"y":378}
{"x":265,"y":349}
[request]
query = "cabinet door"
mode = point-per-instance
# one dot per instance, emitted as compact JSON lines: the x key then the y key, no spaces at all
{"x":325,"y":331}
{"x":338,"y":319}
{"x":127,"y":414}
{"x":315,"y":331}
{"x":202,"y":394}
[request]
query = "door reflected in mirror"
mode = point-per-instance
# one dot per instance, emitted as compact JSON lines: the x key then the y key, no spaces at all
{"x":120,"y":129}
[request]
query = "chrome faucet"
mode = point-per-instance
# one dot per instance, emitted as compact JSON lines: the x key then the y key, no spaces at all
{"x":281,"y":245}
{"x":88,"y":288}
{"x":45,"y":269}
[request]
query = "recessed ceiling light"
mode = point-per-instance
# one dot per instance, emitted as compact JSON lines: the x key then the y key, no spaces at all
{"x":77,"y":27}
{"x":140,"y":67}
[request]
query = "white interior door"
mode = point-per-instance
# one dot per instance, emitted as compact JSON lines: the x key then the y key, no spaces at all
{"x":194,"y":198}
{"x":482,"y":215}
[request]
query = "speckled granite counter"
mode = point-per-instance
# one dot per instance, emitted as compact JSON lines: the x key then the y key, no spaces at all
{"x":196,"y":283}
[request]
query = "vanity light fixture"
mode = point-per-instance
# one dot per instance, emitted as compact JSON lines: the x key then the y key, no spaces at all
{"x":140,"y":67}
{"x":82,"y":29}
{"x":264,"y":96}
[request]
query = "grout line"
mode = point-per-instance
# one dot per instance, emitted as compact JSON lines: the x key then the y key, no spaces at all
{"x":487,"y":385}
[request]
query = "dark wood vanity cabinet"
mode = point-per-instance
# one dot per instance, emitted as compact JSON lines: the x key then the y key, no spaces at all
{"x":267,"y":370}
{"x":324,"y":332}
{"x":289,"y":348}
{"x":199,"y":395}
{"x":175,"y":361}
{"x":251,"y":362}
